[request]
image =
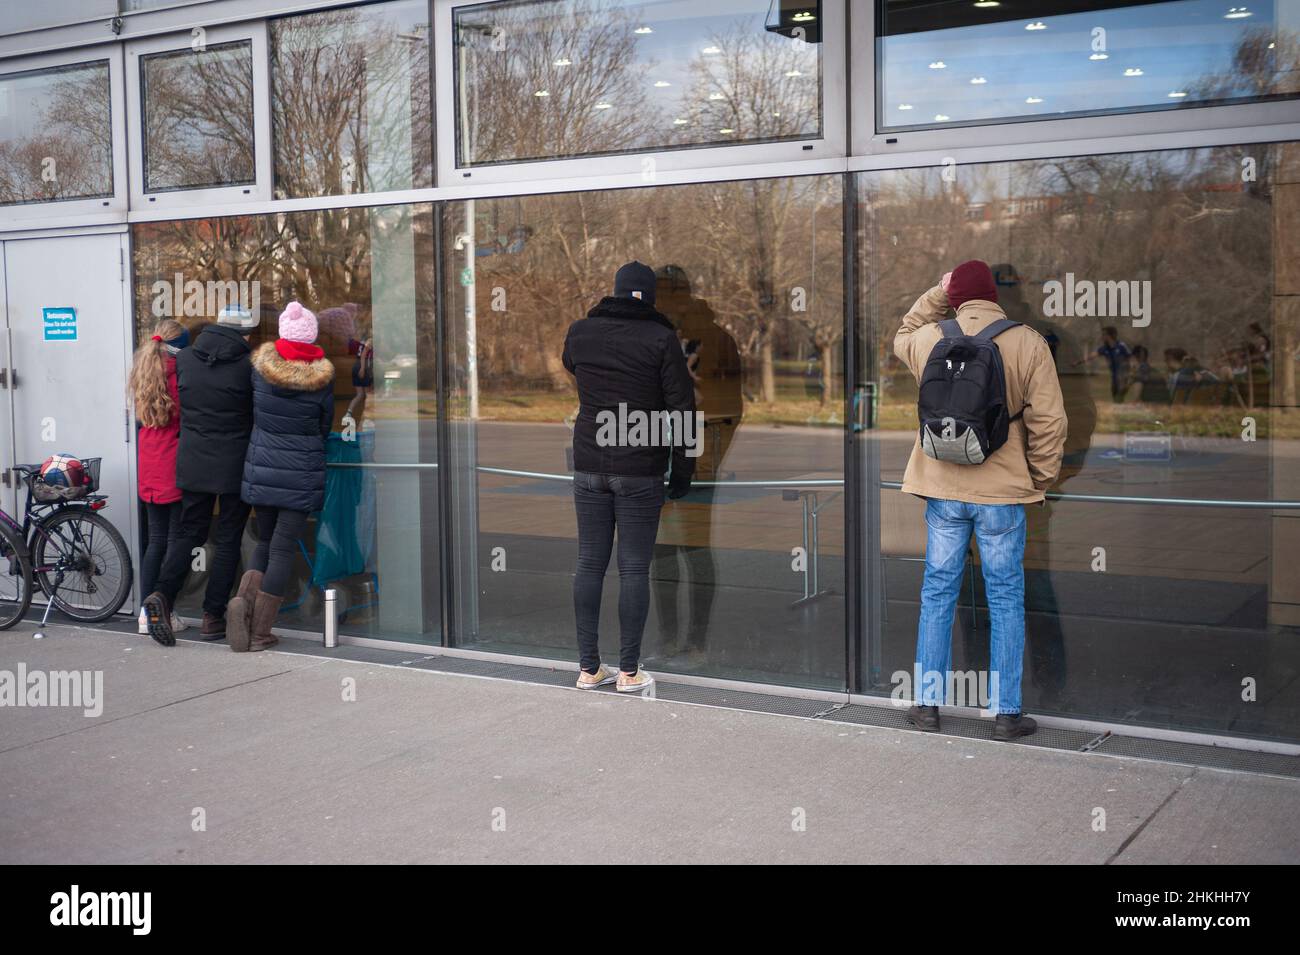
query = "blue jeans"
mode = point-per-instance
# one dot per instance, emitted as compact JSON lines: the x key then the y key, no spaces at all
{"x":1000,"y":532}
{"x":632,"y":504}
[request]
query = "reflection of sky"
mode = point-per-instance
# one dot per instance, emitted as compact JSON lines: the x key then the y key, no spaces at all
{"x":26,"y":100}
{"x":681,"y":31}
{"x":1176,"y":46}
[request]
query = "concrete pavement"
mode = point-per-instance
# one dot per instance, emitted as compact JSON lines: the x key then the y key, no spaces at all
{"x":201,"y":755}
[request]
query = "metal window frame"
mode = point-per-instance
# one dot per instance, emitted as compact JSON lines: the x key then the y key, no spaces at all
{"x":650,"y":165}
{"x":185,"y":199}
{"x":43,"y":214}
{"x":869,"y":140}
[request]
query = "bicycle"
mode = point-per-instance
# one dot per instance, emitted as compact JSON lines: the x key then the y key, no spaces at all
{"x":72,"y":552}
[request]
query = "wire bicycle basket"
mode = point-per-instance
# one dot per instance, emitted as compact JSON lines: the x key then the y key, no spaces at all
{"x":47,"y":493}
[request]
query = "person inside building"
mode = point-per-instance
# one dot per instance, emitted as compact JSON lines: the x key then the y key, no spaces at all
{"x":158,"y":410}
{"x":284,"y":471}
{"x":214,"y":385}
{"x":986,"y":499}
{"x":626,"y":356}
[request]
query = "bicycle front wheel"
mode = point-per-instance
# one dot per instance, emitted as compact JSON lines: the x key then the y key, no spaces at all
{"x":15,"y":578}
{"x":82,"y":563}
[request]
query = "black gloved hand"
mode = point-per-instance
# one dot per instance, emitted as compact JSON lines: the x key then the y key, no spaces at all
{"x":679,"y":485}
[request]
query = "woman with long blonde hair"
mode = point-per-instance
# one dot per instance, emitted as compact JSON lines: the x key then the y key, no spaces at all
{"x":157,"y":406}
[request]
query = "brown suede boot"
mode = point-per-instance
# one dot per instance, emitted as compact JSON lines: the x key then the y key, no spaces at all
{"x":239,"y":612}
{"x":213,"y":627}
{"x":264,"y":612}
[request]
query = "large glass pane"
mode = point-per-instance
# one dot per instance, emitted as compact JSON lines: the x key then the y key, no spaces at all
{"x":368,"y":275}
{"x":350,"y":100}
{"x":1161,"y":585}
{"x":954,"y":62}
{"x":549,"y":79}
{"x":198,"y":117}
{"x":751,"y":274}
{"x":56,"y":134}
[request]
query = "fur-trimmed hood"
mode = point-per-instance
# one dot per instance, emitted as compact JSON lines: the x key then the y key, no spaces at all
{"x":294,"y":375}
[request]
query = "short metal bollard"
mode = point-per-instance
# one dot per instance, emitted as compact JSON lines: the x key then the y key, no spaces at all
{"x":331,"y":620}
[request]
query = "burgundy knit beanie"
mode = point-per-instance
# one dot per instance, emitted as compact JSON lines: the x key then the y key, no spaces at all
{"x":971,"y":280}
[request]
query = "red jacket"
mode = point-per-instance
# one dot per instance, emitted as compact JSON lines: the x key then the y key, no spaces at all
{"x":157,"y":452}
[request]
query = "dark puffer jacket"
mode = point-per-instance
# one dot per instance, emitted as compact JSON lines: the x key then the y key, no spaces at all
{"x":625,"y":352}
{"x":293,"y":407}
{"x":216,"y":396}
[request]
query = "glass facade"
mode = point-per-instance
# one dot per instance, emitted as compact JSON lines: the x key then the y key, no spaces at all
{"x":1144,"y":600}
{"x":959,"y":63}
{"x":198,"y":117}
{"x":56,"y":134}
{"x":350,"y":100}
{"x":554,"y":79}
{"x":1165,"y":276}
{"x":368,"y":274}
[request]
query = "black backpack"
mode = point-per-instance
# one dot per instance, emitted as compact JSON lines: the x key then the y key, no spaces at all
{"x":963,"y":399}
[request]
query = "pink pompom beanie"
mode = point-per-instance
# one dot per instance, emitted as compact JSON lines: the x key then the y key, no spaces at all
{"x":297,"y":324}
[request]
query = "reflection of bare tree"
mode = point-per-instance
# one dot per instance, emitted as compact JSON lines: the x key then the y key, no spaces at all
{"x":551,"y":85}
{"x":757,"y":87}
{"x":70,"y":136}
{"x":351,"y":109}
{"x":198,"y":114}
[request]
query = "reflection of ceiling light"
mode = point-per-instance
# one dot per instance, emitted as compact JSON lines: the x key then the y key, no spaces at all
{"x":1270,"y":46}
{"x":711,"y":49}
{"x":563,"y":61}
{"x":604,"y":106}
{"x":904,"y":105}
{"x":938,"y":65}
{"x":717,"y":96}
{"x":794,"y":73}
{"x":542,"y":93}
{"x":662,"y":83}
{"x":1133,"y":71}
{"x":681,"y":122}
{"x":803,"y":16}
{"x":776,"y":113}
{"x":1033,"y":99}
{"x":978,"y":81}
{"x":643,"y":30}
{"x":987,"y":3}
{"x":1237,"y":13}
{"x":726,"y":130}
{"x":1100,"y":56}
{"x":940,"y":118}
{"x":1036,"y":25}
{"x":1177,"y":94}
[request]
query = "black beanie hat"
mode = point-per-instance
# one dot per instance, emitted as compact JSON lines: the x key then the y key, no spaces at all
{"x":635,"y":278}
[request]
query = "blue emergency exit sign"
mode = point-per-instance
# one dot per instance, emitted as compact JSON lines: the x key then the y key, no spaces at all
{"x":60,"y":324}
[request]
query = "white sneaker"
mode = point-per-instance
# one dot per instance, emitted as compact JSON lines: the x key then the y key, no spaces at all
{"x":590,"y":681}
{"x":637,"y":682}
{"x":144,"y":622}
{"x":177,"y":624}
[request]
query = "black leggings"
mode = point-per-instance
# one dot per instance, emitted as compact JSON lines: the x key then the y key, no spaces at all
{"x":278,"y":532}
{"x":164,"y":523}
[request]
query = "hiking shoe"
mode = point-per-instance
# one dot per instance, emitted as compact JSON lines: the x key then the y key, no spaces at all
{"x":924,"y":718}
{"x":589,"y":681}
{"x":1008,"y":726}
{"x":637,"y":682}
{"x":158,"y":619}
{"x":213,"y":627}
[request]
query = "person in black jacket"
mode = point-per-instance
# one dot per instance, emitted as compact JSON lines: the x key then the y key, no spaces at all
{"x":216,"y":402}
{"x":636,"y":417}
{"x":284,"y":471}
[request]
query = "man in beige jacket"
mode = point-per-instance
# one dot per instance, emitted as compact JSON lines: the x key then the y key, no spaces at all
{"x":985,"y":499}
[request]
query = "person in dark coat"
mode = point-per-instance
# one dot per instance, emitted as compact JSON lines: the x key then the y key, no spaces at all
{"x":213,"y":379}
{"x":632,"y":377}
{"x":284,"y":469}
